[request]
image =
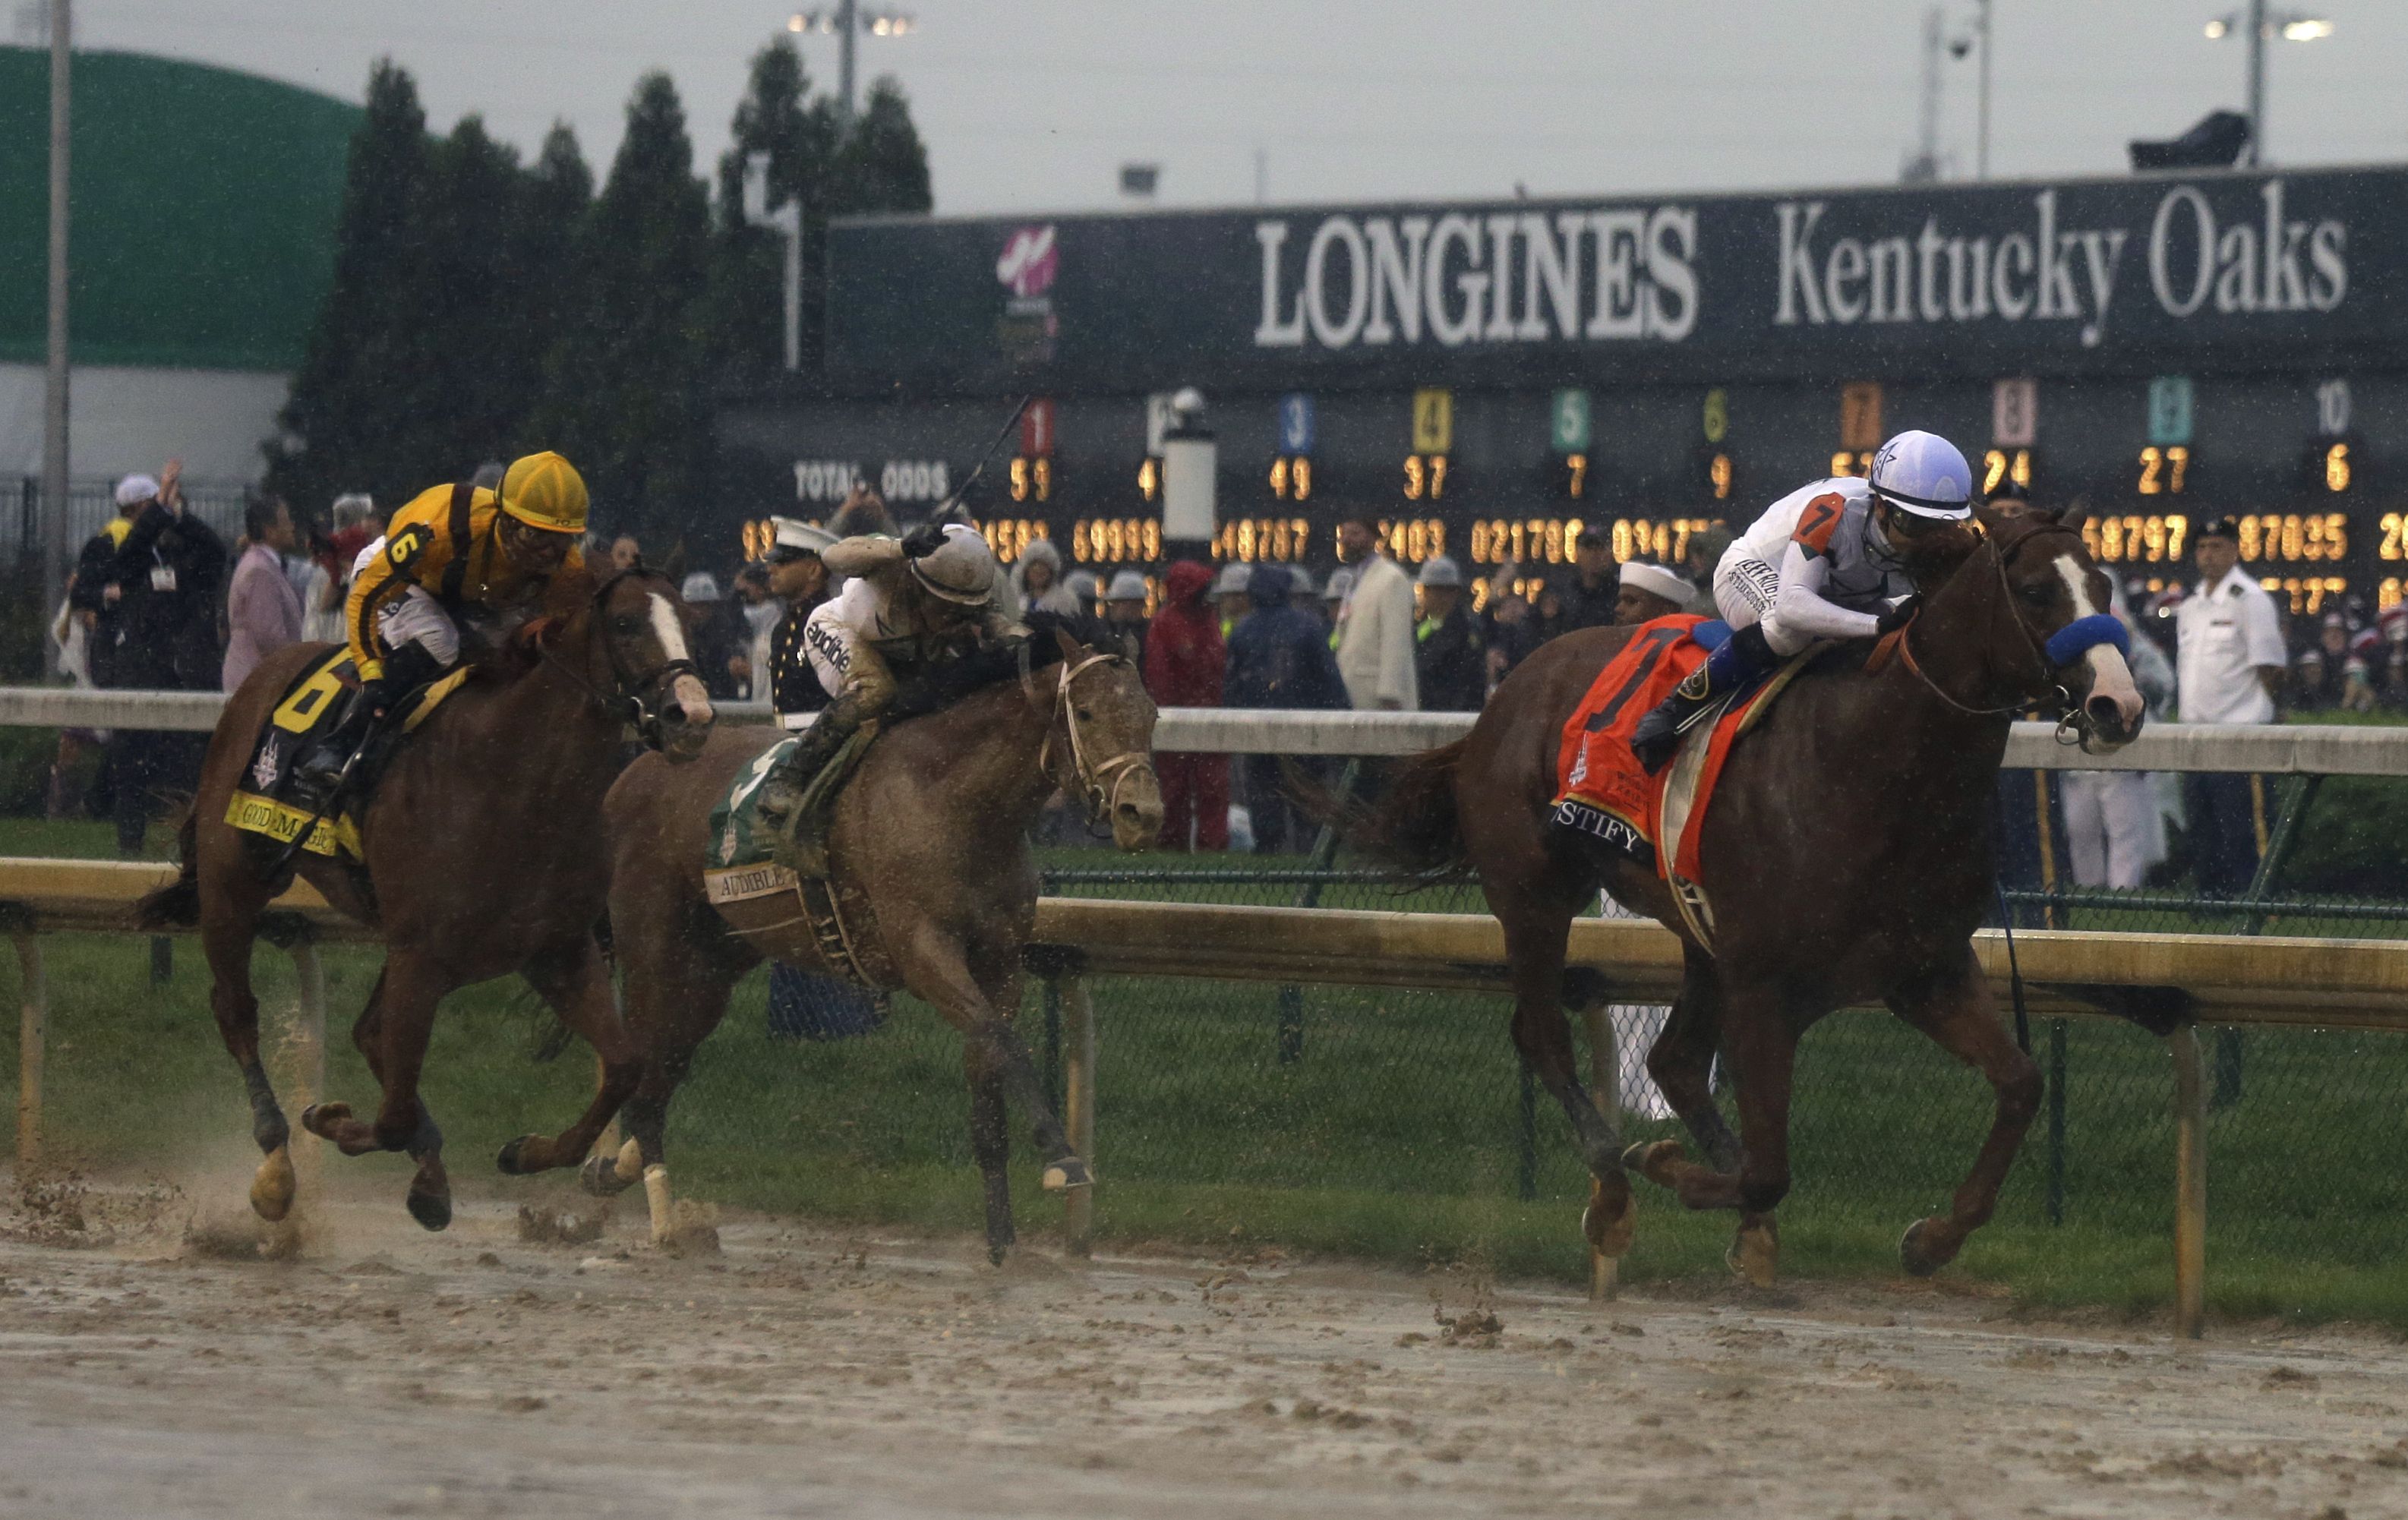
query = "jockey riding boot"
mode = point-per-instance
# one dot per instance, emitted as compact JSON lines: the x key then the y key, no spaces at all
{"x":317,"y":771}
{"x":1739,"y":660}
{"x":795,"y":843}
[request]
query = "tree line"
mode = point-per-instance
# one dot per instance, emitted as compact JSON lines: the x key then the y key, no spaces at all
{"x":482,"y":308}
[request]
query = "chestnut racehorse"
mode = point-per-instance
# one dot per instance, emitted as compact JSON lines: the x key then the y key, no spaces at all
{"x":483,"y":857}
{"x":932,"y":831}
{"x":1846,"y":852}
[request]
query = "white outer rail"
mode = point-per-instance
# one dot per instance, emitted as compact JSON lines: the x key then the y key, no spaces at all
{"x":2277,"y":750}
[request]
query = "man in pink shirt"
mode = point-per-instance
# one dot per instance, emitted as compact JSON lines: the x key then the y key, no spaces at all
{"x":263,"y":611}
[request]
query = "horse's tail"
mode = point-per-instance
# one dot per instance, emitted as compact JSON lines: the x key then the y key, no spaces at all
{"x":176,"y":904}
{"x":1414,"y":825}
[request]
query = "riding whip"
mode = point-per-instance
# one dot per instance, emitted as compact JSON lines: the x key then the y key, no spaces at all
{"x":953,"y":498}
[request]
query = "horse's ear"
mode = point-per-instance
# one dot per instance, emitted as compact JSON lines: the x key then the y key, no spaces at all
{"x":2075,"y":515}
{"x":1071,"y":649}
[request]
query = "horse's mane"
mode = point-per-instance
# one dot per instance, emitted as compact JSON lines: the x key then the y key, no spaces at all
{"x":954,"y":680}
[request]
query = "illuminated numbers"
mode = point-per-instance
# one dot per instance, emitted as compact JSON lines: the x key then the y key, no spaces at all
{"x":1494,"y":541}
{"x":2135,"y":540}
{"x":1416,"y":538}
{"x":758,"y":537}
{"x":1664,"y":540}
{"x":1149,"y":478}
{"x":1010,"y":537}
{"x":1032,"y":480}
{"x":1117,"y":540}
{"x":2162,"y":469}
{"x":1291,"y":478}
{"x":1252,"y":538}
{"x":2292,"y":536}
{"x":2337,"y":467}
{"x":2395,"y":535}
{"x":1717,"y":418}
{"x":2307,"y":594}
{"x":1425,"y":477}
{"x":1857,"y":463}
{"x":1999,"y":466}
{"x":1718,"y":474}
{"x":2389,"y":593}
{"x":1576,"y":475}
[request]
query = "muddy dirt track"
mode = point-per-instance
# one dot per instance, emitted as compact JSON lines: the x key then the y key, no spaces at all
{"x":811,"y":1372}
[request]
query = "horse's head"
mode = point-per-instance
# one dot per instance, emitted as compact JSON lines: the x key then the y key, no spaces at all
{"x":2061,"y":601}
{"x":1105,"y":722}
{"x":639,"y":622}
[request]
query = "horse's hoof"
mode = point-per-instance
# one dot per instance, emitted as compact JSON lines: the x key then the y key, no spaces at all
{"x":271,"y":1186}
{"x":1920,"y":1252}
{"x":431,"y":1209}
{"x":1609,"y":1234}
{"x":600,"y":1177}
{"x":1755,"y":1255}
{"x":320,"y":1117}
{"x":994,"y":1255}
{"x":1069,"y":1172}
{"x":508,"y":1160}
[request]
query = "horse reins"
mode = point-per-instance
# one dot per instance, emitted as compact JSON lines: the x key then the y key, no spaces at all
{"x":628,"y":700}
{"x":2036,"y":646}
{"x":1100,"y":783}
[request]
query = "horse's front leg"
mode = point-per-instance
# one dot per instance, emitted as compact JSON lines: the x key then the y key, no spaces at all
{"x":1956,"y":1011}
{"x":391,"y":1034}
{"x":935,"y":963}
{"x":1536,"y":934}
{"x":574,"y":980}
{"x":229,"y":927}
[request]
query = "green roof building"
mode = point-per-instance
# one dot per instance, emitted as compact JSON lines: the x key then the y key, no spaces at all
{"x":202,"y":240}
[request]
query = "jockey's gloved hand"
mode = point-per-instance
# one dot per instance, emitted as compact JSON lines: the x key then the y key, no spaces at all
{"x":1897,"y":617}
{"x":923,"y":540}
{"x":377,"y":694}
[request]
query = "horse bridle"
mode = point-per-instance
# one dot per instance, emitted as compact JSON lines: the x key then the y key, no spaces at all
{"x":633,"y":701}
{"x":2033,"y":644}
{"x":1099,"y":782}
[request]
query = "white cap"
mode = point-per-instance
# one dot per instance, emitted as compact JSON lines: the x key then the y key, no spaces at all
{"x":1299,"y":581}
{"x":135,"y":489}
{"x":1439,"y":570}
{"x":1233,"y":579}
{"x":1657,"y":581}
{"x":1127,"y":586}
{"x":794,"y":533}
{"x":1341,"y":582}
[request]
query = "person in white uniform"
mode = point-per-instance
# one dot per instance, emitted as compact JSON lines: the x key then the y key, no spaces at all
{"x":2229,"y":658}
{"x":1824,"y":562}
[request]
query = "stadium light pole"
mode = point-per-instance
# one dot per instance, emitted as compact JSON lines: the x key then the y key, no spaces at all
{"x":54,"y":388}
{"x":2258,"y":27}
{"x":787,"y":218}
{"x":848,"y":21}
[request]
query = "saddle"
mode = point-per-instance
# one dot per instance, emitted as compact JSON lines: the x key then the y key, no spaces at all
{"x":749,"y":821}
{"x":272,"y":804}
{"x":1604,"y":792}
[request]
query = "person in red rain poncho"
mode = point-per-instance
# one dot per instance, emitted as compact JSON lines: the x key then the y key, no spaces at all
{"x":1184,"y":663}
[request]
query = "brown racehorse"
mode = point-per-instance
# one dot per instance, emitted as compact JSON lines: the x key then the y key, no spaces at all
{"x":1848,"y":853}
{"x":933,"y":830}
{"x":484,"y":856}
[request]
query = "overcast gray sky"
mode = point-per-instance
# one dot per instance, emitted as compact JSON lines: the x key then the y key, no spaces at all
{"x":1031,"y":105}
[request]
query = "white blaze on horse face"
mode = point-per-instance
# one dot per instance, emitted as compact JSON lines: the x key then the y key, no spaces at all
{"x":2109,"y":677}
{"x":688,"y":692}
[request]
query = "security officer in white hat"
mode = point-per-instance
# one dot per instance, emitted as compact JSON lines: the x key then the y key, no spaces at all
{"x":1650,"y":592}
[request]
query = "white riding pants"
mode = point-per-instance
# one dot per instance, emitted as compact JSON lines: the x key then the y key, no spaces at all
{"x":416,"y":618}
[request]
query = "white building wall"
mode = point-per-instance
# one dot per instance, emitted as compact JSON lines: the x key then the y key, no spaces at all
{"x":123,"y":420}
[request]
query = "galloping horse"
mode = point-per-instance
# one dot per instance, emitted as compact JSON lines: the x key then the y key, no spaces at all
{"x":1848,"y":855}
{"x":932,"y":833}
{"x":483,"y":856}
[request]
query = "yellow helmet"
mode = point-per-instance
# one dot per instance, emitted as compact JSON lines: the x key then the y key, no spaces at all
{"x":544,"y":491}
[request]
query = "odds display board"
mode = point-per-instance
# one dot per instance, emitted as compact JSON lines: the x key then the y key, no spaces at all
{"x":1485,"y":379}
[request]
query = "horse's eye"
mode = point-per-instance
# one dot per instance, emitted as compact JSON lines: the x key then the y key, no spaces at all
{"x":1084,"y":715}
{"x":2038,"y":596}
{"x":626,"y":624}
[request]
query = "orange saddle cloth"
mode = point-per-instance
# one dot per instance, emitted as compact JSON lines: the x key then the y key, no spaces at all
{"x":1601,"y":789}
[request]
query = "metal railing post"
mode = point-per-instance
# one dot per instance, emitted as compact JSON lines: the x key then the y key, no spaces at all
{"x":1324,"y":856}
{"x":2056,"y":1202}
{"x":2190,"y":1183}
{"x":1079,"y":1108}
{"x":2290,"y":819}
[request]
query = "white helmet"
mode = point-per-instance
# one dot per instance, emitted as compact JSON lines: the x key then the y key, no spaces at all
{"x":1127,"y":586}
{"x":960,"y":568}
{"x":1925,"y":474}
{"x":1439,"y":570}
